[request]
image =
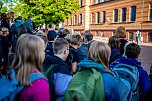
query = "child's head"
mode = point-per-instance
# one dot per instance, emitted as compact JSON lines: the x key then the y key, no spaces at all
{"x":29,"y":56}
{"x":61,"y":47}
{"x":114,"y":42}
{"x":99,"y":52}
{"x":76,"y":40}
{"x":121,"y":32}
{"x":132,"y":50}
{"x":87,"y":36}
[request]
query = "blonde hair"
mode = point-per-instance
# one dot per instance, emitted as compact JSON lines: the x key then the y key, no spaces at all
{"x":100,"y":52}
{"x":29,"y":56}
{"x":121,"y":32}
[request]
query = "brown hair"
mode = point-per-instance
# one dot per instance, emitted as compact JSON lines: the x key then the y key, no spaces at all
{"x":121,"y":32}
{"x":29,"y":56}
{"x":59,"y":45}
{"x":114,"y":42}
{"x":100,"y":52}
{"x":76,"y":39}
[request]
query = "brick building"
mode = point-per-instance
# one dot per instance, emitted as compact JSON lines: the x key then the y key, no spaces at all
{"x":102,"y":17}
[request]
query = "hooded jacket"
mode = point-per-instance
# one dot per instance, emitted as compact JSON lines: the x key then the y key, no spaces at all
{"x":111,"y":89}
{"x":144,"y":82}
{"x":62,"y":75}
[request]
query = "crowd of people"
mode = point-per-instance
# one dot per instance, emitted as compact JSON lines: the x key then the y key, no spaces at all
{"x":66,"y":66}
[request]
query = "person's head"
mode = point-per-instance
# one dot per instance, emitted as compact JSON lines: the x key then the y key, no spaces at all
{"x":63,"y":32}
{"x":5,"y":31}
{"x":29,"y":56}
{"x":99,"y":52}
{"x":68,"y":37}
{"x":3,"y":16}
{"x":61,"y":48}
{"x":76,"y":40}
{"x":87,"y":36}
{"x":132,"y":50}
{"x":30,"y":17}
{"x":114,"y":42}
{"x":19,"y":18}
{"x":51,"y":25}
{"x":41,"y":34}
{"x":121,"y":32}
{"x":56,"y":28}
{"x":52,"y":35}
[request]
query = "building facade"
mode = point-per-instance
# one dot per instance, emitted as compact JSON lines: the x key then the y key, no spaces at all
{"x":102,"y":17}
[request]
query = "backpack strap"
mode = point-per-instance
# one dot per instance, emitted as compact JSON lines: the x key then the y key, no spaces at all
{"x":35,"y":76}
{"x":99,"y":84}
{"x":49,"y":74}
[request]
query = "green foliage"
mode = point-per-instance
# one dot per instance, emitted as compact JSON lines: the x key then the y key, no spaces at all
{"x":45,"y":11}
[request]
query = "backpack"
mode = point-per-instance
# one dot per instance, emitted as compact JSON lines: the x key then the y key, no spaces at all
{"x":9,"y":87}
{"x":86,"y":85}
{"x":49,"y":71}
{"x":128,"y":78}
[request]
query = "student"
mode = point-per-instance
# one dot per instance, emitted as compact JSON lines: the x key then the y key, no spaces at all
{"x":29,"y":25}
{"x":73,"y":59}
{"x":132,"y":53}
{"x":114,"y":43}
{"x":121,"y":32}
{"x":83,"y":50}
{"x":98,"y":59}
{"x":51,"y":36}
{"x":29,"y":56}
{"x":61,"y":71}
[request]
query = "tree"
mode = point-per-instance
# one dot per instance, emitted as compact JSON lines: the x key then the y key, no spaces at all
{"x":45,"y":11}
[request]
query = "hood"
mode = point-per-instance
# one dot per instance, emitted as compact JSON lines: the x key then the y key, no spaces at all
{"x":91,"y":64}
{"x":130,"y":61}
{"x":54,"y":60}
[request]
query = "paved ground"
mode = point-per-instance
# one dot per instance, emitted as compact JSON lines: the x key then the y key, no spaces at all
{"x":146,"y":55}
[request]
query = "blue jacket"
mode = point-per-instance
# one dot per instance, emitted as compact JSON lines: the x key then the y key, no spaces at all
{"x":111,"y":88}
{"x":83,"y":51}
{"x":62,"y":75}
{"x":114,"y":55}
{"x":144,"y":82}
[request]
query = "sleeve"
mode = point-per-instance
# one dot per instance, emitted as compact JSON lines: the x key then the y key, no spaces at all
{"x":61,"y":83}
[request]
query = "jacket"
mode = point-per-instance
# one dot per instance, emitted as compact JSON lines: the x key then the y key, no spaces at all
{"x":62,"y":75}
{"x":144,"y":82}
{"x":111,"y":88}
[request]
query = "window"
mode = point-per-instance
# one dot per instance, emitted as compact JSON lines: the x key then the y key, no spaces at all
{"x":75,"y":19}
{"x":98,"y":17}
{"x":116,"y":15}
{"x":93,"y":18}
{"x":80,"y":19}
{"x":98,"y":1}
{"x":124,"y":14}
{"x":71,"y":21}
{"x":133,"y":13}
{"x":81,"y":3}
{"x":102,"y":33}
{"x":131,"y":36}
{"x":104,"y":16}
{"x":150,"y":17}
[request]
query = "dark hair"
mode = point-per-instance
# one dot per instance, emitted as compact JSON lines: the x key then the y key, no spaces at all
{"x":132,"y":50}
{"x":30,"y":16}
{"x":114,"y":42}
{"x":51,"y":25}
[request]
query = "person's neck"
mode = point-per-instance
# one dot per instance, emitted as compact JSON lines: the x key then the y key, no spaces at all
{"x":60,"y":56}
{"x":74,"y":46}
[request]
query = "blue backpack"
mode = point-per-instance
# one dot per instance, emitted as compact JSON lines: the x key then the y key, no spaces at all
{"x":10,"y":89}
{"x":128,"y":78}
